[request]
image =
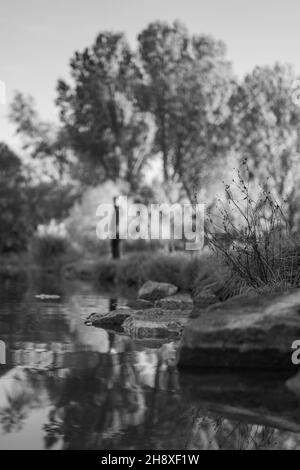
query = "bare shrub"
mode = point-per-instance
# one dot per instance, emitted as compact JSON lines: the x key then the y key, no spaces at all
{"x":253,"y":237}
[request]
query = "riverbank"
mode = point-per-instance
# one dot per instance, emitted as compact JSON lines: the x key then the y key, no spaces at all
{"x":255,"y":329}
{"x":251,"y":331}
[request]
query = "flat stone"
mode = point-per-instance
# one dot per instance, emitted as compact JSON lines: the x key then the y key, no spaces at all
{"x":156,"y":290}
{"x":155,"y":323}
{"x":176,"y":302}
{"x":249,"y":331}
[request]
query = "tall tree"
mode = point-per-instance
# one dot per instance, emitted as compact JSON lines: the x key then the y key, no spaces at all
{"x":107,"y":132}
{"x":187,"y":87}
{"x":50,"y":190}
{"x":43,"y":141}
{"x":163,"y":51}
{"x":267,"y":123}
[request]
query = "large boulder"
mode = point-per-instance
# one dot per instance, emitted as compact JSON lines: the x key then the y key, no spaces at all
{"x":156,"y":290}
{"x":247,"y":332}
{"x":262,"y":398}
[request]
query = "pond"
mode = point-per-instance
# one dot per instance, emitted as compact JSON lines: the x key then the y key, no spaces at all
{"x":68,"y":385}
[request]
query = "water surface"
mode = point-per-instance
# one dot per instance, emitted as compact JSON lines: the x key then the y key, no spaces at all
{"x":67,"y":385}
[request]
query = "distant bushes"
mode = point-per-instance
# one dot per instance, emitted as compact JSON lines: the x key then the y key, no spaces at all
{"x":13,"y":266}
{"x":50,"y":246}
{"x":136,"y":268}
{"x":131,"y":269}
{"x":129,"y":246}
{"x":47,"y":248}
{"x":106,"y":271}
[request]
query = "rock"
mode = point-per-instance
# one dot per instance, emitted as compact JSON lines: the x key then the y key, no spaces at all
{"x":156,"y":290}
{"x":249,"y":331}
{"x":47,"y":296}
{"x":152,"y":323}
{"x":293,"y":384}
{"x":205,"y":294}
{"x":155,"y":323}
{"x":111,"y":320}
{"x":176,"y":302}
{"x":202,"y":303}
{"x":261,"y":398}
{"x":139,"y":304}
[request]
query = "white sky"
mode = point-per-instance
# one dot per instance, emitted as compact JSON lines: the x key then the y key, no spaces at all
{"x":38,"y":37}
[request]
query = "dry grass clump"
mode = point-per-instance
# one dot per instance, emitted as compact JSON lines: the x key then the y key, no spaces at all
{"x":254,"y":239}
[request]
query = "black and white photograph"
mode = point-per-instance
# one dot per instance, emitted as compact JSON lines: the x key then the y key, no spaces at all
{"x":149,"y":228}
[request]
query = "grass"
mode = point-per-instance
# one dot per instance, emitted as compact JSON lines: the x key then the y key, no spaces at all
{"x":253,"y":239}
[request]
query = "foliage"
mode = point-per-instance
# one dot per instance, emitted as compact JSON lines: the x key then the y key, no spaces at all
{"x":129,"y":246}
{"x":47,"y":200}
{"x":44,"y":141}
{"x":136,"y":268}
{"x":49,"y":244}
{"x":267,"y":133}
{"x":170,"y":97}
{"x":13,"y":266}
{"x":174,"y":97}
{"x":106,"y":130}
{"x":14,"y":225}
{"x":187,"y":88}
{"x":106,"y":271}
{"x":48,"y":190}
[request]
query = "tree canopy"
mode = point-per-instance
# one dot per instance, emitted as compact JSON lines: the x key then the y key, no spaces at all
{"x":168,"y":97}
{"x":173,"y":97}
{"x":267,"y":133}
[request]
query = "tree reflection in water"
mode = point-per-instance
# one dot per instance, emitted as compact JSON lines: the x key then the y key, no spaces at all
{"x":127,"y":396}
{"x":110,"y":406}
